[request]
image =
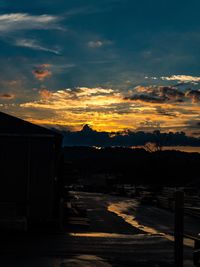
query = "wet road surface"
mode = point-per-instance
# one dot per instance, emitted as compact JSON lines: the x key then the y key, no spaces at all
{"x":108,"y":241}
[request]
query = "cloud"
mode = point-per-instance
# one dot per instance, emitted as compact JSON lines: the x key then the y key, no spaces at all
{"x":156,"y":94}
{"x":80,"y":98}
{"x":166,"y":111}
{"x":145,"y":98}
{"x":41,"y":72}
{"x":6,"y":96}
{"x":182,"y":78}
{"x":98,"y":43}
{"x":163,"y":94}
{"x":22,"y":21}
{"x":194,"y":95}
{"x":95,"y":44}
{"x":45,"y":94}
{"x":149,"y":125}
{"x":111,"y":110}
{"x":35,"y":45}
{"x":79,"y":106}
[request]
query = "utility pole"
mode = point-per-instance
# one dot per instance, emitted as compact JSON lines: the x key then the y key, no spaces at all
{"x":179,"y":227}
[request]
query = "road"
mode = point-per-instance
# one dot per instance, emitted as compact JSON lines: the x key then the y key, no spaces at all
{"x":108,"y":241}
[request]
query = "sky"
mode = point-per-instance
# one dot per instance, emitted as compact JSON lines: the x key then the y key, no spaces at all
{"x":111,"y":64}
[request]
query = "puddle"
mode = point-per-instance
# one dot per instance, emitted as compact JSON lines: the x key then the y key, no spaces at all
{"x":120,"y":207}
{"x":123,"y":207}
{"x":106,"y":235}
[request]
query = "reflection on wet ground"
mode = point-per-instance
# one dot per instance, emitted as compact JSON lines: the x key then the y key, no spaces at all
{"x":108,"y":241}
{"x":85,"y":261}
{"x":147,"y":218}
{"x":122,"y":209}
{"x":107,"y":235}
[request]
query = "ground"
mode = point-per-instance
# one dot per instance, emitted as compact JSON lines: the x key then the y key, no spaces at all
{"x":108,"y":241}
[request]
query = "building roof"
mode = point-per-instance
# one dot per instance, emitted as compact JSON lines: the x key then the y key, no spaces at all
{"x":10,"y":125}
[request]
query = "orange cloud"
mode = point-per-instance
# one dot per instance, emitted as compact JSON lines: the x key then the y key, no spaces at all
{"x":41,"y":72}
{"x":6,"y":96}
{"x":107,"y":109}
{"x":45,"y":93}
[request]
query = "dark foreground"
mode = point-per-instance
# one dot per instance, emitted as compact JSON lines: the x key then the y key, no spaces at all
{"x":108,"y":241}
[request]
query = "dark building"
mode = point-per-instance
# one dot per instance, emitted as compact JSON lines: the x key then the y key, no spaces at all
{"x":29,"y":172}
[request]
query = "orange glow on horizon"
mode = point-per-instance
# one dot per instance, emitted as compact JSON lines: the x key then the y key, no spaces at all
{"x":105,"y":109}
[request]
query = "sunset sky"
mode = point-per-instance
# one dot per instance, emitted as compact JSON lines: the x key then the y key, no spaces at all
{"x":112,"y":64}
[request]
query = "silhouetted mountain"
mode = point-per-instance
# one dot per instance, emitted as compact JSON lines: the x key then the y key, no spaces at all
{"x":87,"y":129}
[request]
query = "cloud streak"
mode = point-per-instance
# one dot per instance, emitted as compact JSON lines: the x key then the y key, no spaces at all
{"x":35,"y":45}
{"x":23,"y":21}
{"x":182,"y":78}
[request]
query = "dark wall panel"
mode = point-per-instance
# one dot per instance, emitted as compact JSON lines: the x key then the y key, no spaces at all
{"x":13,"y":169}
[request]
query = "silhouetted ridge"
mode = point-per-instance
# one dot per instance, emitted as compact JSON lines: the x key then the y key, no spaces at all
{"x":89,"y":137}
{"x":87,"y":129}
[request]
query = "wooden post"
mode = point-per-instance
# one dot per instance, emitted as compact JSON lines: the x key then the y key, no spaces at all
{"x":179,"y":228}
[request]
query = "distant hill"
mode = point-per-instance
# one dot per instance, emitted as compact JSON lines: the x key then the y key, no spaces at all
{"x":136,"y":166}
{"x":89,"y":137}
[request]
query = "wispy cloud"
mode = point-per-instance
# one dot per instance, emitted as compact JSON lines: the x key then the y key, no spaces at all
{"x":98,"y":43}
{"x":35,"y":45}
{"x":22,"y":21}
{"x":13,"y":26}
{"x":95,"y":44}
{"x":182,"y":78}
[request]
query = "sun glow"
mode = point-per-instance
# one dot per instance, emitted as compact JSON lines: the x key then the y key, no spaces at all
{"x":106,"y":109}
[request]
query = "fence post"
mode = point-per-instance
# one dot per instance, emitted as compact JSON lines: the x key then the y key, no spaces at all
{"x":179,"y":228}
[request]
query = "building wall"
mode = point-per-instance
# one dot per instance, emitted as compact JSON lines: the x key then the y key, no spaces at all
{"x":13,"y":169}
{"x":27,"y":175}
{"x":42,"y":179}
